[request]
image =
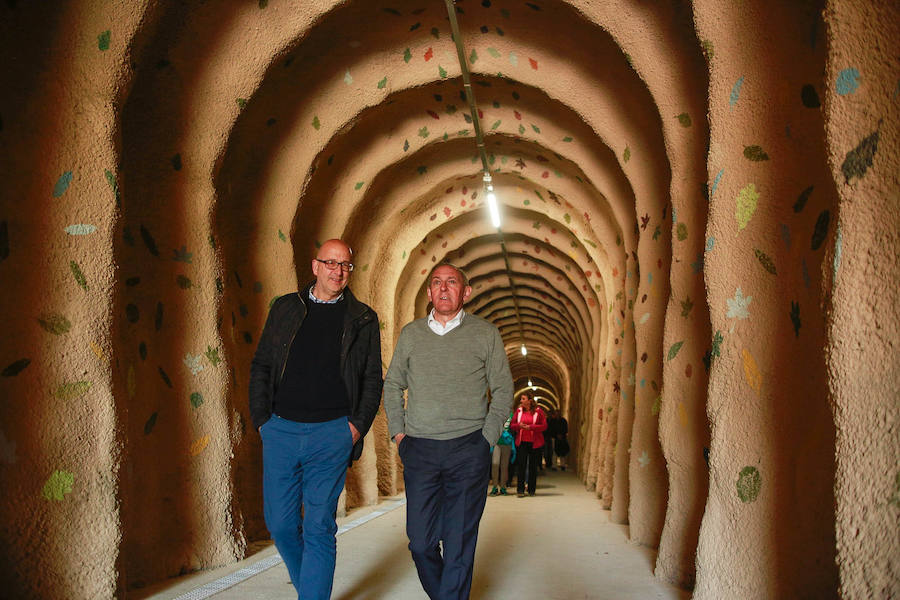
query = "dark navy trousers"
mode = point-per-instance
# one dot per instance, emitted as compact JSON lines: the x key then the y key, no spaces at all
{"x":446,"y":488}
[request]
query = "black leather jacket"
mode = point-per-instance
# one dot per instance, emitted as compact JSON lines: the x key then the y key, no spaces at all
{"x":360,"y":359}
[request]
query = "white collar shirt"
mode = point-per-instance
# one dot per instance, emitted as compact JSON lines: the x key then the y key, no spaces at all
{"x":452,"y":324}
{"x":317,"y":301}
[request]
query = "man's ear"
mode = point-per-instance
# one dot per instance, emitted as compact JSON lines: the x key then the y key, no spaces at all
{"x":466,"y":292}
{"x":428,"y":291}
{"x":315,"y":267}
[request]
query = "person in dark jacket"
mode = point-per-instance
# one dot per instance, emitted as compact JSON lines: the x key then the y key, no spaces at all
{"x":315,"y":386}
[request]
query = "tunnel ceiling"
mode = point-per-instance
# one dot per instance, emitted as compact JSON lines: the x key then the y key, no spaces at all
{"x":349,"y":119}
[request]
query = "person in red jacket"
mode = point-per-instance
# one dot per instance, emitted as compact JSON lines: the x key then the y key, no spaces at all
{"x":528,"y":423}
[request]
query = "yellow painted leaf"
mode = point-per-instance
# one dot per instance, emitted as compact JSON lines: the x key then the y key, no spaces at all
{"x":97,"y":350}
{"x":199,"y":445}
{"x":682,"y":414}
{"x":751,"y":371}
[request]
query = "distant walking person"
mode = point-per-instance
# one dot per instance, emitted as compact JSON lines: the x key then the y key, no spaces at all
{"x":446,"y":362}
{"x":315,"y":386}
{"x":560,"y":441}
{"x":529,"y":424}
{"x":504,"y":452}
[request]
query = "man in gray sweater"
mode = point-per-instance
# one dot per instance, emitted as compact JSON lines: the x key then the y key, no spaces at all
{"x":446,"y":362}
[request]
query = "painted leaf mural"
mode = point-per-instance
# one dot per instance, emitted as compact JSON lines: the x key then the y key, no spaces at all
{"x":765,"y":261}
{"x":858,"y":160}
{"x":738,"y":306}
{"x":755,"y":153}
{"x":746,"y":205}
{"x":749,"y":483}
{"x":62,"y":184}
{"x":16,"y":367}
{"x":55,"y":323}
{"x":73,"y":390}
{"x":673,"y":350}
{"x":58,"y":485}
{"x":199,"y":445}
{"x":751,"y":371}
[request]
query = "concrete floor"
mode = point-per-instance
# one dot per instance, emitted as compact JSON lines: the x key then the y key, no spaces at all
{"x":557,"y":545}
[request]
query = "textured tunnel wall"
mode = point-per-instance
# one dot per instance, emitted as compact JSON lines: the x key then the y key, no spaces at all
{"x":699,"y":209}
{"x":769,"y":222}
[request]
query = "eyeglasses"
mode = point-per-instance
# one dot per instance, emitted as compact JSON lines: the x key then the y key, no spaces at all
{"x":333,"y":264}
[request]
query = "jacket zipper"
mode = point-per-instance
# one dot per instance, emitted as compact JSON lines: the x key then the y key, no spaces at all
{"x":297,"y":330}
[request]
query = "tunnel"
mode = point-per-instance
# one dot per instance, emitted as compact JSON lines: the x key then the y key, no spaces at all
{"x":693,"y":256}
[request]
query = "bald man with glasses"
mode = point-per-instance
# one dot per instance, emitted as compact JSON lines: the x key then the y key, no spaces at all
{"x":315,"y":386}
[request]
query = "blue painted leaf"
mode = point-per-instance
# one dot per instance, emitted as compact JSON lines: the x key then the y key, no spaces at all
{"x":62,"y":184}
{"x":735,"y":92}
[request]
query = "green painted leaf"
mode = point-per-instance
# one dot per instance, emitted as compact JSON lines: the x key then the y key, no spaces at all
{"x":821,"y":230}
{"x":684,"y":119}
{"x":241,"y":102}
{"x":568,"y":138}
{"x":212,"y":355}
{"x":407,"y":56}
{"x":686,"y":306}
{"x":442,"y":72}
{"x":165,"y":377}
{"x":802,"y":198}
{"x":765,"y":261}
{"x":196,"y":400}
{"x":315,"y":123}
{"x":626,"y":156}
{"x":79,"y":276}
{"x":58,"y":485}
{"x":494,"y":52}
{"x":673,"y":351}
{"x":281,"y":236}
{"x":359,"y":185}
{"x":15,"y":368}
{"x":749,"y":483}
{"x":103,"y":40}
{"x":795,"y":317}
{"x":113,"y":184}
{"x":183,"y":282}
{"x":858,"y":160}
{"x":535,"y":128}
{"x":473,"y":57}
{"x":656,"y":406}
{"x":496,"y":124}
{"x":55,"y":323}
{"x":681,"y":232}
{"x":150,"y":424}
{"x":382,"y":83}
{"x":755,"y":153}
{"x":73,"y":390}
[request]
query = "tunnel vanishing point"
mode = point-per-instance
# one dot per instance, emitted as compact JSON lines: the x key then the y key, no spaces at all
{"x":699,"y":247}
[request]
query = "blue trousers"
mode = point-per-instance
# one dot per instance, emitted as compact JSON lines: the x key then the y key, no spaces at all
{"x":445,"y":493}
{"x":305,"y":464}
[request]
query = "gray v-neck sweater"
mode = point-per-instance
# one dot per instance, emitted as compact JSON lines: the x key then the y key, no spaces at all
{"x":447,"y":378}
